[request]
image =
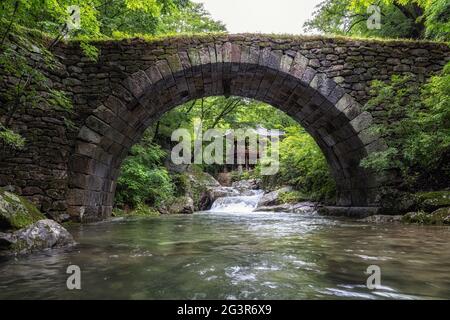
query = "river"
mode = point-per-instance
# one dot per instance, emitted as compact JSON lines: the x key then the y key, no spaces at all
{"x":213,"y":255}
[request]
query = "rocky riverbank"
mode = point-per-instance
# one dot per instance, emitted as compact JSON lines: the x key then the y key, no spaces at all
{"x":23,"y":229}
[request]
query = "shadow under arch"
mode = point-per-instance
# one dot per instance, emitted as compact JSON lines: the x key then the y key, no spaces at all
{"x":282,"y":79}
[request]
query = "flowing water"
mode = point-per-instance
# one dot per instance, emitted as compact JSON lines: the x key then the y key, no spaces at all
{"x":238,"y":204}
{"x":238,"y":255}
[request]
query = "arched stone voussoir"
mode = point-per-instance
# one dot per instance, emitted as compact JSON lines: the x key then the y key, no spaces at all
{"x":348,"y":106}
{"x":285,"y":79}
{"x":93,"y":151}
{"x":138,"y":83}
{"x":321,"y":83}
{"x":362,"y":121}
{"x":175,"y":64}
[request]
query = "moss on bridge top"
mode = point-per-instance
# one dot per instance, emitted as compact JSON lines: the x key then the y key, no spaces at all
{"x":208,"y":37}
{"x":281,"y":38}
{"x":45,"y":38}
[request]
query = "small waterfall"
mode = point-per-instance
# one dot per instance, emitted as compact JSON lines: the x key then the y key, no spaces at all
{"x":238,"y":204}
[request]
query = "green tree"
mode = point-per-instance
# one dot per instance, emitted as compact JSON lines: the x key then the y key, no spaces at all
{"x":419,"y":134}
{"x":415,"y":19}
{"x":303,"y":166}
{"x":143,"y":179}
{"x":99,"y":19}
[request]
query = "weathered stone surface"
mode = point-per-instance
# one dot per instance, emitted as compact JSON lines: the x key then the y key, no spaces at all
{"x":180,"y":205}
{"x":301,"y":207}
{"x":271,"y":198}
{"x":16,"y":212}
{"x":251,"y":184}
{"x":321,"y":82}
{"x":382,"y":219}
{"x":41,"y":235}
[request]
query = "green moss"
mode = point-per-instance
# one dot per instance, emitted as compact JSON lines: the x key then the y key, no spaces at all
{"x":17,"y":212}
{"x":434,"y":198}
{"x":70,"y":223}
{"x":438,"y":217}
{"x":181,"y":182}
{"x":242,"y":36}
{"x":47,"y":38}
{"x":145,"y":211}
{"x":196,"y":183}
{"x":291,"y":197}
{"x":117,"y":212}
{"x":19,"y":246}
{"x":141,"y":210}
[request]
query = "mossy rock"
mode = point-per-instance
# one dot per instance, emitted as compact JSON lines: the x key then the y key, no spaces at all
{"x":293,"y":196}
{"x":16,"y":212}
{"x":433,"y":200}
{"x":197,"y":183}
{"x":42,"y":235}
{"x":438,"y":217}
{"x":179,"y":205}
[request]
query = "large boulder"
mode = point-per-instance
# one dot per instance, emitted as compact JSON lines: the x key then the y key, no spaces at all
{"x":224,"y":178}
{"x":220,"y":192}
{"x":250,"y":184}
{"x":204,"y":179}
{"x":16,"y":212}
{"x":272,"y":198}
{"x":180,"y":205}
{"x":41,"y":235}
{"x":197,"y":186}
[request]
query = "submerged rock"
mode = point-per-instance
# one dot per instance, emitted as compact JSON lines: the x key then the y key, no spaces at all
{"x":301,"y":207}
{"x":44,"y":234}
{"x":16,"y":212}
{"x":380,"y":218}
{"x":352,"y":212}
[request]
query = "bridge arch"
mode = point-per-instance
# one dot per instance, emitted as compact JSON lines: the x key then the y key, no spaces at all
{"x":281,"y":78}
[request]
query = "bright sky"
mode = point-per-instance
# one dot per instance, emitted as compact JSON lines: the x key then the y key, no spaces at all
{"x":262,"y":16}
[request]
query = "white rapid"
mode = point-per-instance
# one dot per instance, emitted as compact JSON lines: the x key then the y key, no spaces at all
{"x":247,"y":202}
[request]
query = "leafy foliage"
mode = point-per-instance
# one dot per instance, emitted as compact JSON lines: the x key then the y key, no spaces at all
{"x":143,"y":178}
{"x":302,"y":163}
{"x":419,"y":132}
{"x":98,"y":19}
{"x":26,"y":81}
{"x":303,"y":166}
{"x":415,"y":19}
{"x":11,"y":138}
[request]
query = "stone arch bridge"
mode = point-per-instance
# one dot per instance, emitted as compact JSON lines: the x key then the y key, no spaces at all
{"x":321,"y":82}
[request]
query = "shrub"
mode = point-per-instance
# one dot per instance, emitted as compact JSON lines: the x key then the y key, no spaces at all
{"x":418,"y":133}
{"x":302,"y":166}
{"x":143,"y":179}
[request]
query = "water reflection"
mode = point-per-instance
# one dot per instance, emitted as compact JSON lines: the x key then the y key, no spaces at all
{"x":238,"y":256}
